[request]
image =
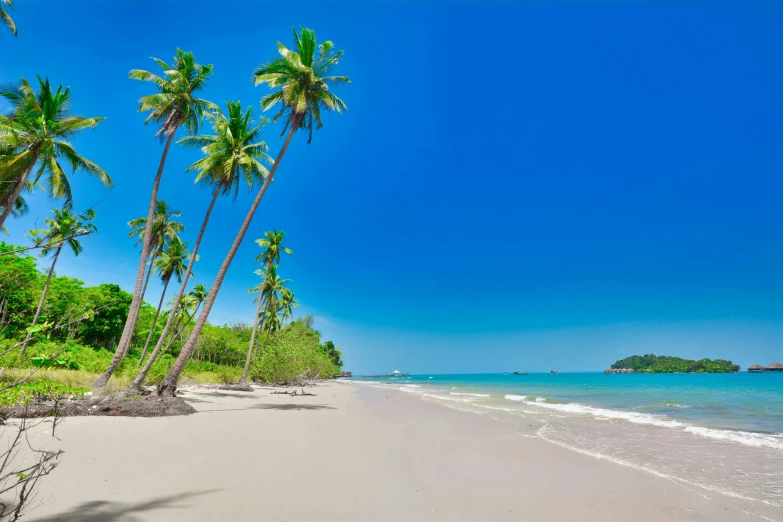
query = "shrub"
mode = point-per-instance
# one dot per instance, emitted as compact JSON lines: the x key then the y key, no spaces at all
{"x":295,"y":357}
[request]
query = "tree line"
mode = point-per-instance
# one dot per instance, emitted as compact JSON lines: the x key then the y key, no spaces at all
{"x":669,"y":364}
{"x":36,"y":153}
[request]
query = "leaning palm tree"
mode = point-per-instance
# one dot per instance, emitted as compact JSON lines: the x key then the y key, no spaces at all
{"x":174,"y":105}
{"x":35,"y":133}
{"x":187,"y":308}
{"x":275,"y":314}
{"x":173,"y":262}
{"x":303,"y":79}
{"x":5,"y":17}
{"x":63,"y":230}
{"x":232,"y":154}
{"x":287,"y":304}
{"x":273,"y":246}
{"x":164,"y":228}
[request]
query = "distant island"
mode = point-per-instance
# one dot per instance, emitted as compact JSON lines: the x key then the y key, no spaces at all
{"x":666,"y":364}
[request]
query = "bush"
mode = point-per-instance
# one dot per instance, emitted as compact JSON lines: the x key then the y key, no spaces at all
{"x":294,"y":358}
{"x":39,"y":390}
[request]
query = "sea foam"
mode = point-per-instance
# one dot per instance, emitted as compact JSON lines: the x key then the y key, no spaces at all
{"x":470,"y":394}
{"x":516,"y":397}
{"x":743,"y":437}
{"x":630,"y":416}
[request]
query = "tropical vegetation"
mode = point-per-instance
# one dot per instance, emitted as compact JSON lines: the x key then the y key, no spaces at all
{"x":668,"y":364}
{"x":90,"y":335}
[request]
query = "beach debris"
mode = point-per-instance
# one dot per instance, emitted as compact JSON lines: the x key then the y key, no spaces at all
{"x":294,"y":393}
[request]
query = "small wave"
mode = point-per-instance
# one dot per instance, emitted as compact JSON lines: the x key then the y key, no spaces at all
{"x":743,"y":437}
{"x":516,"y":397}
{"x":540,"y":399}
{"x":675,"y":405}
{"x":448,"y":399}
{"x":630,"y":416}
{"x":470,"y":394}
{"x":412,"y":385}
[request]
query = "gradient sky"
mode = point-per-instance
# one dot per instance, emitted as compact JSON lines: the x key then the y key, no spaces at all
{"x":528,"y":185}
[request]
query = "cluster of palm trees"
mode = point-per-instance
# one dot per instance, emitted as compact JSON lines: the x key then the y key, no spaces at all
{"x":275,"y":303}
{"x":36,"y":130}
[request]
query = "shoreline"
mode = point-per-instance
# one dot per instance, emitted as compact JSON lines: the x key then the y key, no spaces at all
{"x":348,"y":453}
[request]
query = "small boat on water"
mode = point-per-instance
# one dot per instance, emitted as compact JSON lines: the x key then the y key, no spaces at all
{"x":516,"y":372}
{"x":553,"y":372}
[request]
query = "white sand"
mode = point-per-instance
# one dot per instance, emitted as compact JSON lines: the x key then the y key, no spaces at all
{"x":347,"y":454}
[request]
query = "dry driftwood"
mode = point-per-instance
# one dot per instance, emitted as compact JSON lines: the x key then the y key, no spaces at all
{"x":294,"y":393}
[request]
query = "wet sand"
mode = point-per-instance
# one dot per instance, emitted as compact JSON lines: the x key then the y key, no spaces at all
{"x":350,"y":453}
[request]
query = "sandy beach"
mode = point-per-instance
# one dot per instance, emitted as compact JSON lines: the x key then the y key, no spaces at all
{"x":349,"y":453}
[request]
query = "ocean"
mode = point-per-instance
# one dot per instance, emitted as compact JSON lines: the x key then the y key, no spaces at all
{"x":721,"y":434}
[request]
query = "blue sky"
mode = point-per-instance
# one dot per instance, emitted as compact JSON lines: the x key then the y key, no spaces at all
{"x":527,"y":185}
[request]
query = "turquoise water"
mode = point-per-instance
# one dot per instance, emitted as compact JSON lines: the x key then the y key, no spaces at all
{"x":719,"y":433}
{"x":736,"y":401}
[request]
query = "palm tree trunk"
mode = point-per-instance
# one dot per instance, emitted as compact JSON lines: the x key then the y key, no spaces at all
{"x":133,"y":311}
{"x":243,"y":380}
{"x":143,"y":293}
{"x":154,"y":320}
{"x":169,"y":384}
{"x":43,"y":297}
{"x":11,"y":201}
{"x":143,"y":375}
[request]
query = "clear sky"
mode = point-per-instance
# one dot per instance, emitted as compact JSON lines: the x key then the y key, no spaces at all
{"x":516,"y":185}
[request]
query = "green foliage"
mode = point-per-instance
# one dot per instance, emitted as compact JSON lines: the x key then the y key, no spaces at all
{"x":35,"y":132}
{"x":668,"y":364}
{"x":295,"y":356}
{"x":335,"y":355}
{"x":20,"y":285}
{"x":225,"y":345}
{"x":93,"y":315}
{"x":39,"y":390}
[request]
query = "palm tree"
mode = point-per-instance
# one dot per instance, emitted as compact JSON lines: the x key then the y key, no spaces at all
{"x":276,"y":312}
{"x":173,"y":262}
{"x":273,"y":246}
{"x":164,"y":228}
{"x":173,"y":106}
{"x":287,"y":304}
{"x":303,"y":93}
{"x":5,"y":17}
{"x":232,"y":154}
{"x":187,"y":307}
{"x":63,"y":229}
{"x":35,"y":132}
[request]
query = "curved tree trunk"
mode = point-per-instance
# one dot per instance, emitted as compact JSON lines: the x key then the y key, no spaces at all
{"x":154,"y":320}
{"x":169,"y":383}
{"x":133,"y":311}
{"x":243,"y":380}
{"x":11,"y":201}
{"x":43,"y":297}
{"x":143,"y":375}
{"x":141,"y":299}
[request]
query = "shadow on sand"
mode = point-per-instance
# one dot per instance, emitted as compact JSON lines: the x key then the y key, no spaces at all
{"x":281,"y":407}
{"x":286,"y":407}
{"x":106,"y":511}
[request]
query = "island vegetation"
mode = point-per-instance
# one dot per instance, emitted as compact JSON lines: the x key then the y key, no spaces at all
{"x":668,"y":364}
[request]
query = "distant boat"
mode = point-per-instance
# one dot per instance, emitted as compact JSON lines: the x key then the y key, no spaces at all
{"x":516,"y":372}
{"x":553,"y":372}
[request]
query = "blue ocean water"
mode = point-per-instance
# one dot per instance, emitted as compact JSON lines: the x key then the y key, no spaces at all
{"x":722,"y":433}
{"x":750,"y":402}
